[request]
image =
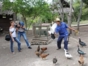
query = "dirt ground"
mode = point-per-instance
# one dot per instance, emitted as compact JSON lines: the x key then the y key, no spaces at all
{"x":28,"y":58}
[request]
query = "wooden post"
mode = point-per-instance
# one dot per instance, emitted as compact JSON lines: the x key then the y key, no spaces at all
{"x":34,"y":30}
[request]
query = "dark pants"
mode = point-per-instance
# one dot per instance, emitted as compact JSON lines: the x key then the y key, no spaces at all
{"x":59,"y":41}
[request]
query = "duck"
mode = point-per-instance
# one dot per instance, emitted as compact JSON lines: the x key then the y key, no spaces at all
{"x":80,"y":51}
{"x":81,"y":42}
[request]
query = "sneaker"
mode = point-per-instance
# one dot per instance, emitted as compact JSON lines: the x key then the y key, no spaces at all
{"x":13,"y":52}
{"x":29,"y":47}
{"x":58,"y":48}
{"x":19,"y":50}
{"x":68,"y":55}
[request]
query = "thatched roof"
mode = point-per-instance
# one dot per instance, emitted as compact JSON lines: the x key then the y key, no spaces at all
{"x":8,"y":12}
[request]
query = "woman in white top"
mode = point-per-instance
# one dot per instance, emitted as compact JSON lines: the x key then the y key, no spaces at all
{"x":12,"y":31}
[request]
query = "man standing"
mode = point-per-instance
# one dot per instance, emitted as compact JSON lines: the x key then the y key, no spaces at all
{"x":21,"y":32}
{"x":63,"y":33}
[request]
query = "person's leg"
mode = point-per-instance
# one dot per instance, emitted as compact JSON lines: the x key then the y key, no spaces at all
{"x":18,"y":42}
{"x":26,"y":40}
{"x":66,"y":42}
{"x":19,"y":36}
{"x":11,"y":45}
{"x":59,"y":42}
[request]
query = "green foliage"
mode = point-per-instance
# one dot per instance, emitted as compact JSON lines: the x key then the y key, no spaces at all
{"x":86,"y":2}
{"x":76,"y":9}
{"x":76,"y":6}
{"x":37,"y":10}
{"x":85,"y":13}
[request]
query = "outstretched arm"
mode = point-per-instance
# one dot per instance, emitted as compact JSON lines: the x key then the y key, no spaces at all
{"x":71,"y":28}
{"x":76,"y":31}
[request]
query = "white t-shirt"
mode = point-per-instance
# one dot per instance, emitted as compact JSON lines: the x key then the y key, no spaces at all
{"x":13,"y":32}
{"x":52,"y":28}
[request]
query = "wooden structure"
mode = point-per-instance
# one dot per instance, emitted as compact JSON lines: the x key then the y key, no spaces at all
{"x":5,"y":22}
{"x":5,"y":17}
{"x":40,"y":32}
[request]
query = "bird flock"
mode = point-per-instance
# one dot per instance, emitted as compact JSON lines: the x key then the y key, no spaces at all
{"x":80,"y":52}
{"x":40,"y":53}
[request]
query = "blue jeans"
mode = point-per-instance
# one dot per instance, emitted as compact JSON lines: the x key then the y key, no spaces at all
{"x":11,"y":45}
{"x":60,"y":38}
{"x":24,"y":36}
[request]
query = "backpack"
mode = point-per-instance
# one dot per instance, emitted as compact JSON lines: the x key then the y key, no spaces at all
{"x":7,"y":37}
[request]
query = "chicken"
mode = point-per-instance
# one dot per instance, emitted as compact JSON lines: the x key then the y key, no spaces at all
{"x":37,"y":53}
{"x":43,"y":49}
{"x":38,"y":48}
{"x":81,"y":60}
{"x":55,"y":60}
{"x":80,"y":51}
{"x":82,"y":43}
{"x":43,"y":55}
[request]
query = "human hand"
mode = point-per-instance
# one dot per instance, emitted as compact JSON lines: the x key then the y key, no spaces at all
{"x":76,"y":32}
{"x":13,"y":40}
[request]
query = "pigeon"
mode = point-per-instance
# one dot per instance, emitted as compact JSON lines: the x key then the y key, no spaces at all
{"x":81,"y":42}
{"x":80,"y":51}
{"x":55,"y":60}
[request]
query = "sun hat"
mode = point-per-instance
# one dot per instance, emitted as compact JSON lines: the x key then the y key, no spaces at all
{"x":57,"y":19}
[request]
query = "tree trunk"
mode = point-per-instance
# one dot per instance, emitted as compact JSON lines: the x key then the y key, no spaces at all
{"x":69,"y":16}
{"x":24,"y":19}
{"x":79,"y":16}
{"x":62,"y":12}
{"x":70,"y":13}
